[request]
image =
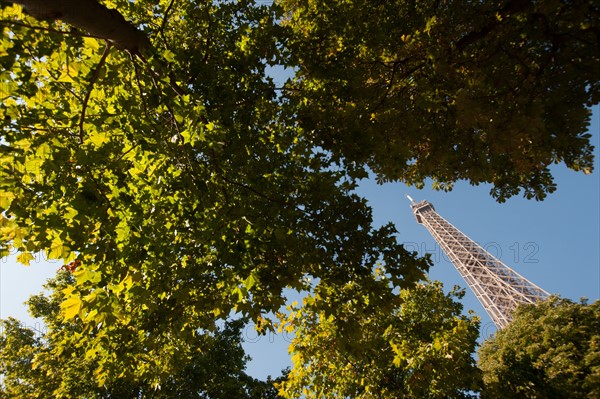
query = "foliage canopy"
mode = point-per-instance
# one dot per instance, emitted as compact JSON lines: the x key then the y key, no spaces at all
{"x":550,"y":350}
{"x":419,"y":346}
{"x":488,"y":92}
{"x":37,"y":364}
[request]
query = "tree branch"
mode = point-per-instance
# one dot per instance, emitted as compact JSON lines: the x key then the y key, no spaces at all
{"x":91,"y":87}
{"x":104,"y":23}
{"x":511,"y":7}
{"x":164,"y":22}
{"x":93,"y":17}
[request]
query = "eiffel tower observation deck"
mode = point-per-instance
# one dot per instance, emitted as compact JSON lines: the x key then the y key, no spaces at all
{"x":499,"y":288}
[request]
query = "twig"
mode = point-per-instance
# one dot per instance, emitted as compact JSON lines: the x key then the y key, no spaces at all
{"x":139,"y":84}
{"x":91,"y":87}
{"x":164,"y":22}
{"x":253,"y":190}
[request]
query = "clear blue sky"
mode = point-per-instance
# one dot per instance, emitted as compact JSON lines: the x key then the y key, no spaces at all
{"x":554,"y":243}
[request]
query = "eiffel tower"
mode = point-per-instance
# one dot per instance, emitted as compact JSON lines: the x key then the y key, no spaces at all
{"x":499,"y":288}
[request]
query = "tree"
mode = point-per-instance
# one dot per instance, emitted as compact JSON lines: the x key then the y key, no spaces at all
{"x":181,"y":208}
{"x":147,"y":141}
{"x":550,"y":350}
{"x":36,"y":364}
{"x":419,"y":346}
{"x":489,"y":92}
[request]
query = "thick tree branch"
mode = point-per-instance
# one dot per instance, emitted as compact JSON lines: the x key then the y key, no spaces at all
{"x":102,"y":22}
{"x":92,"y":17}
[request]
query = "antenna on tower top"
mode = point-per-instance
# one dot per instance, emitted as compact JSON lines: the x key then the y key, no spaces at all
{"x":411,"y":200}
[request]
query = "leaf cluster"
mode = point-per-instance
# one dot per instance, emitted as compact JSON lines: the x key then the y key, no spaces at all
{"x":35,"y":364}
{"x":181,"y":208}
{"x":488,"y":92}
{"x":550,"y":350}
{"x":416,"y":346}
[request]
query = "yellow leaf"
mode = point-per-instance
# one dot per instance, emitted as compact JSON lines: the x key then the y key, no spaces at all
{"x":71,"y":307}
{"x":6,"y":199}
{"x":25,"y":258}
{"x":128,"y":282}
{"x":90,"y":353}
{"x":58,"y":250}
{"x":98,"y":139}
{"x":65,"y":78}
{"x":90,"y":42}
{"x":91,"y":316}
{"x":168,"y":55}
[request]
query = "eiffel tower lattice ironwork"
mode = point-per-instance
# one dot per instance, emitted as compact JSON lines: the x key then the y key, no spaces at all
{"x":499,"y":288}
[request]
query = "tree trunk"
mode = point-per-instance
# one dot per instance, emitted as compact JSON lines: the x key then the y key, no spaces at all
{"x":92,"y":17}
